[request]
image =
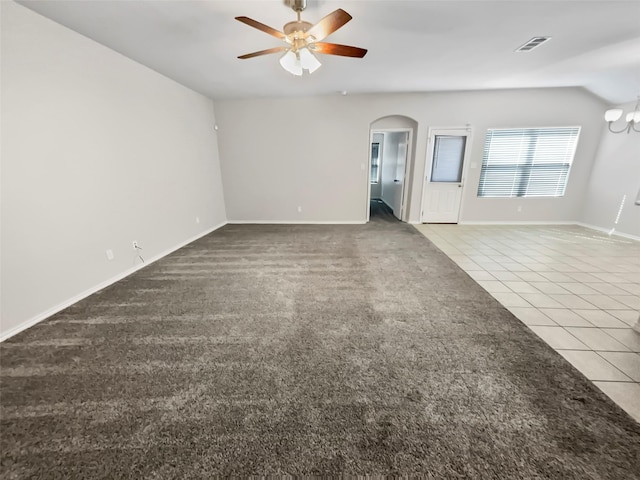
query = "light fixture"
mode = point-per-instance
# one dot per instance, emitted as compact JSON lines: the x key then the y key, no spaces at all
{"x":632,"y":118}
{"x":304,"y":40}
{"x":296,"y":61}
{"x":291,"y":63}
{"x":308,"y":60}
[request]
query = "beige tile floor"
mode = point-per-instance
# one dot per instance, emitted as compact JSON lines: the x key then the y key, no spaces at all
{"x":576,"y":288}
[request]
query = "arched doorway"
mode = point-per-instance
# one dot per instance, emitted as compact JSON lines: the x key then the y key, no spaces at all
{"x":391,"y":164}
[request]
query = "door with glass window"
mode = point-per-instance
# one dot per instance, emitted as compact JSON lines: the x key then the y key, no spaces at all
{"x":444,"y":180}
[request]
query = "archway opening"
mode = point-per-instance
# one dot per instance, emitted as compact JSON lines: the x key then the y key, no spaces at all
{"x":391,"y":164}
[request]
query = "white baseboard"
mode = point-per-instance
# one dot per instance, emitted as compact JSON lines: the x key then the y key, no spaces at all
{"x":580,"y":224}
{"x":90,"y":291}
{"x":290,"y":222}
{"x":608,"y":231}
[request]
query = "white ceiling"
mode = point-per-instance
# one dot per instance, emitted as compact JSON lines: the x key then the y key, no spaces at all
{"x":414,"y":46}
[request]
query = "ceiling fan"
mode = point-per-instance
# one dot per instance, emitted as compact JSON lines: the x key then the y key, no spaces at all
{"x":304,"y":39}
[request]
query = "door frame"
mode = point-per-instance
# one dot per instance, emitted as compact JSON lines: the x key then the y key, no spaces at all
{"x":429,"y":161}
{"x":403,"y":204}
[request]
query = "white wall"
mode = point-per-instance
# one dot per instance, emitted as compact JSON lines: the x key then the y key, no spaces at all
{"x":615,"y":174}
{"x":281,"y":154}
{"x":278,"y":154}
{"x":97,"y":151}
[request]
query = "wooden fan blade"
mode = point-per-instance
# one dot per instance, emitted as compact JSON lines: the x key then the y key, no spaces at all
{"x":328,"y":25}
{"x":261,"y":26}
{"x":264,"y":52}
{"x":336,"y":49}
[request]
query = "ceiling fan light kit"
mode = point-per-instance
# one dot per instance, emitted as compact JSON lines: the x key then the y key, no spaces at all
{"x":308,"y":60}
{"x":291,"y":63}
{"x":303,"y":39}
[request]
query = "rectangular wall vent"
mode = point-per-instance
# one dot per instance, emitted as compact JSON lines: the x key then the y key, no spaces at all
{"x":533,"y":43}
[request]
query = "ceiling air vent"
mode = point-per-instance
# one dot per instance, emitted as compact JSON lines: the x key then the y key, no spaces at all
{"x":533,"y":43}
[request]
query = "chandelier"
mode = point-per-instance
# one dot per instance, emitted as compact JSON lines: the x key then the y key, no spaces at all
{"x":632,"y":118}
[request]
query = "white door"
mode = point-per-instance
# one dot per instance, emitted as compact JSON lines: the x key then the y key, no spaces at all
{"x":395,"y":154}
{"x":442,"y":192}
{"x":400,"y":166}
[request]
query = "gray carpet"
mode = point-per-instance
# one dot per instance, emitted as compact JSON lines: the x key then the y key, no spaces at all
{"x":258,"y":350}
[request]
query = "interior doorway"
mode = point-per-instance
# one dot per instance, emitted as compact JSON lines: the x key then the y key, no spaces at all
{"x":389,"y":157}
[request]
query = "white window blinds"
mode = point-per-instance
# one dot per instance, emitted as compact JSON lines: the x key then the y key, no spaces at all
{"x":448,"y":154}
{"x":527,"y":162}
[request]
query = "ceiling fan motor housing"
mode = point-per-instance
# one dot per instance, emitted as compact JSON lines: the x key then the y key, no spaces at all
{"x":299,"y":26}
{"x":298,"y":5}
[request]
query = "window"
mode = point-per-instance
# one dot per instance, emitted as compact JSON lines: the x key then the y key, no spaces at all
{"x":448,"y":157}
{"x":375,"y":162}
{"x":527,"y":162}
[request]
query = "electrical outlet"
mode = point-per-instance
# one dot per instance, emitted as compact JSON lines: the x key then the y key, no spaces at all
{"x":299,"y":209}
{"x":135,"y":244}
{"x":519,"y":208}
{"x":197,"y":219}
{"x":109,"y":254}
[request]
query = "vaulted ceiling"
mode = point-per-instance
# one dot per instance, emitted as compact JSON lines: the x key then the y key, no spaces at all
{"x":414,"y":46}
